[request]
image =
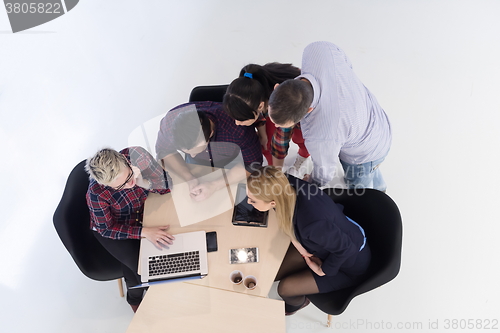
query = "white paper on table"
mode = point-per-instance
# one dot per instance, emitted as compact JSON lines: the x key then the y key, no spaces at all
{"x":190,"y":211}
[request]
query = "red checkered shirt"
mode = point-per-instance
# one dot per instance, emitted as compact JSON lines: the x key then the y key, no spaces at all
{"x":118,"y":214}
{"x":280,"y":141}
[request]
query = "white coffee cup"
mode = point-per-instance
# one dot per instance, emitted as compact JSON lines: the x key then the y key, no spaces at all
{"x":250,"y":282}
{"x":236,"y":277}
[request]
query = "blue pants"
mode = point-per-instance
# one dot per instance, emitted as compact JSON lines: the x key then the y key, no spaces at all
{"x":366,"y":175}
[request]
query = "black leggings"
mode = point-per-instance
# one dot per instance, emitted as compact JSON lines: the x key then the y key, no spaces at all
{"x":297,"y":279}
{"x":127,"y":252}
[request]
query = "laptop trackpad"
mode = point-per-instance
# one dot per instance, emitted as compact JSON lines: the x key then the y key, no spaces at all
{"x":178,"y":245}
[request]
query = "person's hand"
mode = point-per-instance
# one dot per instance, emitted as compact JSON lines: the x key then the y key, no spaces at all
{"x":158,"y":236}
{"x":303,"y":252}
{"x":203,"y":191}
{"x":307,"y":178}
{"x":314,"y":264}
{"x":192,"y":184}
{"x":139,"y":180}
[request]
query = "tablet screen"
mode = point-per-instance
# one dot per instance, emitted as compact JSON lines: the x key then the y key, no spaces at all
{"x":246,"y":214}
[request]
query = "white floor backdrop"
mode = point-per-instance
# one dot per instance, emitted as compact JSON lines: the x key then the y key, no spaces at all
{"x":88,"y":78}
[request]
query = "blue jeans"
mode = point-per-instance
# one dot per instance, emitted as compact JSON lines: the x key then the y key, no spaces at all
{"x":366,"y":175}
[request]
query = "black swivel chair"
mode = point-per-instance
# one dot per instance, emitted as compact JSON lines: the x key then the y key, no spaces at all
{"x":208,"y":93}
{"x":380,"y":218}
{"x":72,"y":223}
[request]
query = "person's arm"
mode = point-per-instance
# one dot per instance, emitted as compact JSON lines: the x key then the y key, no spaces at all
{"x":327,"y":236}
{"x":278,"y":162}
{"x":232,"y":176}
{"x":107,"y":226}
{"x":311,"y":260}
{"x":247,"y":150}
{"x":280,"y":144}
{"x":324,"y":164}
{"x":250,"y":151}
{"x":147,"y":171}
{"x":315,"y":264}
{"x":261,"y":131}
{"x":140,"y":180}
{"x":175,"y":163}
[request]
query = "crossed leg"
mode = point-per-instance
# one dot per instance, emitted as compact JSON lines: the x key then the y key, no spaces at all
{"x":296,"y":280}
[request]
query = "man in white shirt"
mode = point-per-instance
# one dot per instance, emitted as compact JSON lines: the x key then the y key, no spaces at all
{"x":338,"y":115}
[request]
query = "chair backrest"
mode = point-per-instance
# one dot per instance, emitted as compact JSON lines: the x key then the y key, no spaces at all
{"x":208,"y":93}
{"x":379,"y":216}
{"x":72,"y":223}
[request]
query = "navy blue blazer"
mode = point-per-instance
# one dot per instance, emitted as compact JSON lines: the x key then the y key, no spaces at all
{"x":322,"y":228}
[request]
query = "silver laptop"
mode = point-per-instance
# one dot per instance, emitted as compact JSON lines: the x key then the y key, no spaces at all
{"x":185,"y":259}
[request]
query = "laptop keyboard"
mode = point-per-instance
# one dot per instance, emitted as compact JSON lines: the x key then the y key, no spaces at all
{"x":174,"y":263}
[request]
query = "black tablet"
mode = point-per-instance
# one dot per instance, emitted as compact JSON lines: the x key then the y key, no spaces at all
{"x":245,"y":214}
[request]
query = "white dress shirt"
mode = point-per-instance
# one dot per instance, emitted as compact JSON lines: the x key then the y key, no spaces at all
{"x":346,"y":120}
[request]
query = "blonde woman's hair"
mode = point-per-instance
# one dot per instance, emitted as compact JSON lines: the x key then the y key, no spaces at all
{"x":105,"y":165}
{"x":270,"y":184}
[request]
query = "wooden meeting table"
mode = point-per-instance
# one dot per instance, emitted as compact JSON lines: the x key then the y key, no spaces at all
{"x":214,"y":302}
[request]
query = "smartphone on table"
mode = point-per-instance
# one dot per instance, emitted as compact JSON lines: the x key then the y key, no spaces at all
{"x":244,"y":255}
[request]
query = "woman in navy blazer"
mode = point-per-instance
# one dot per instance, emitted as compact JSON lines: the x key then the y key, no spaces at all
{"x":330,"y":250}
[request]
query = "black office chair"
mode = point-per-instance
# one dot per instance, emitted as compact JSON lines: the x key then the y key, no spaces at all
{"x":380,"y":218}
{"x":208,"y":93}
{"x":72,"y":223}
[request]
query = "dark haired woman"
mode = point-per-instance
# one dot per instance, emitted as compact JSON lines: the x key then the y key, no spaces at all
{"x":246,"y":102}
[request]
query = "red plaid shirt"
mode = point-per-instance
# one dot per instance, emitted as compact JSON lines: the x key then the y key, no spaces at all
{"x":280,"y":142}
{"x":118,"y":214}
{"x":226,"y":130}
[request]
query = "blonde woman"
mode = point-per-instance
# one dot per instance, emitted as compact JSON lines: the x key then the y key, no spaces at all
{"x":329,"y":250}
